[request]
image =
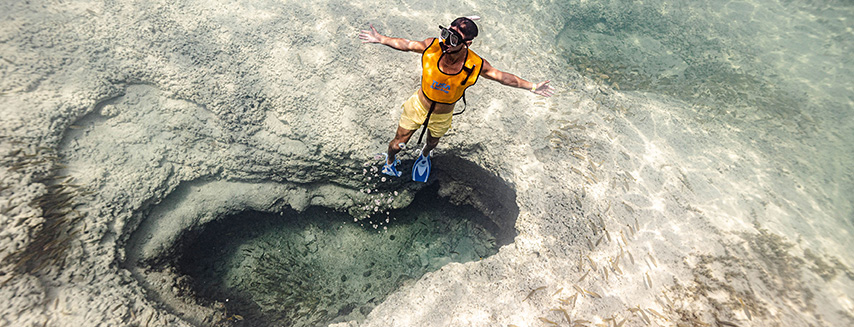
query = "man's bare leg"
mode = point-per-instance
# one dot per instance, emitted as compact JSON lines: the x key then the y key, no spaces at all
{"x":401,"y":136}
{"x":432,"y":142}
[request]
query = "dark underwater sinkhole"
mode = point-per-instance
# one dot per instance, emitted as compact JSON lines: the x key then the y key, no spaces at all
{"x":319,"y":266}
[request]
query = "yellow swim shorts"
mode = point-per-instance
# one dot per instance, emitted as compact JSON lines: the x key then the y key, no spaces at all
{"x":414,"y":114}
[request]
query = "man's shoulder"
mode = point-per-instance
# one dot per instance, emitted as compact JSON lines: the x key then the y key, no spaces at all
{"x":476,"y":56}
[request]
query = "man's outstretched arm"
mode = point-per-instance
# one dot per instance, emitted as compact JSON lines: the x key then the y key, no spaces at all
{"x":542,"y":88}
{"x":401,"y":44}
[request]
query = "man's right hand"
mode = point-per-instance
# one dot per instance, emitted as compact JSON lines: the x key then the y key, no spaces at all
{"x":371,"y":36}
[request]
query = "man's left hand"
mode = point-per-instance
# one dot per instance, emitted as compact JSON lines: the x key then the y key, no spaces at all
{"x":544,"y":89}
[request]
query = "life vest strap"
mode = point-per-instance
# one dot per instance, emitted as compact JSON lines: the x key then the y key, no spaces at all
{"x":468,"y":74}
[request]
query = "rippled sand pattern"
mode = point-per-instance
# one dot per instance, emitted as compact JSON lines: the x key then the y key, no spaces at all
{"x":693,"y":168}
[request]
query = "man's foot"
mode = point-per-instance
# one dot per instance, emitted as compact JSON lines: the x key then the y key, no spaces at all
{"x":421,"y":169}
{"x":391,"y":168}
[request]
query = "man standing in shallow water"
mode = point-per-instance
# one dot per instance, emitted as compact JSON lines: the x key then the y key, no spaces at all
{"x":448,"y":67}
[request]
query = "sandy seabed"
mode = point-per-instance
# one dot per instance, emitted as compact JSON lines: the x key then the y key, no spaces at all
{"x":125,"y":124}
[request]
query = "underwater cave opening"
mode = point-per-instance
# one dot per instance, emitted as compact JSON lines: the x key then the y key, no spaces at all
{"x":320,"y":266}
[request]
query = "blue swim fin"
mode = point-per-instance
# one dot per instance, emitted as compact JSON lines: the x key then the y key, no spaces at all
{"x":421,"y":169}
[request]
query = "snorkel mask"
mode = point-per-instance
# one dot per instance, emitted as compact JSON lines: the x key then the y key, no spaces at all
{"x":451,"y":37}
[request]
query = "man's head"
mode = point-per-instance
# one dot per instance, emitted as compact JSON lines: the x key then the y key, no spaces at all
{"x":466,"y":27}
{"x":465,"y":31}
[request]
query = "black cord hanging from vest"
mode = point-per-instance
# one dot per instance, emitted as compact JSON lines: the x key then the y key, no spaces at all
{"x":426,"y":120}
{"x":465,"y":105}
{"x":468,"y":74}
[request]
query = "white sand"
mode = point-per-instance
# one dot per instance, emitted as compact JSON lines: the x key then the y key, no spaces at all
{"x":281,"y":102}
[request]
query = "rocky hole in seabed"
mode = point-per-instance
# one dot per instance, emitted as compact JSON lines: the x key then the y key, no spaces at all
{"x":319,"y":266}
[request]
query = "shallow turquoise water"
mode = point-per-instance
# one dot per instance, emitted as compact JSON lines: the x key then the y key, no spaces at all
{"x":775,"y":74}
{"x":754,"y":130}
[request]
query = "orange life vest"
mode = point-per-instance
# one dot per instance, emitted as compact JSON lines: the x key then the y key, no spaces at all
{"x":447,"y":88}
